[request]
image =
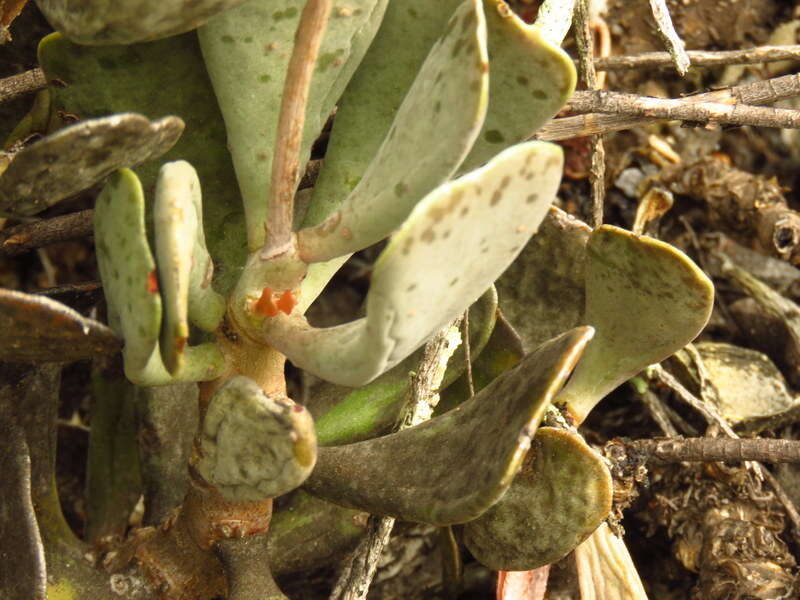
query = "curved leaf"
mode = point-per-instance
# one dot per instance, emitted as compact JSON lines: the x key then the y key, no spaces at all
{"x":646,"y":299}
{"x":449,"y":90}
{"x":561,"y":495}
{"x":452,"y":468}
{"x":38,"y":329}
{"x":76,"y":157}
{"x":453,"y":245}
{"x":103,"y":22}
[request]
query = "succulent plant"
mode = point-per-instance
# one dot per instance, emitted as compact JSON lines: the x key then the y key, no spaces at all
{"x":428,"y":147}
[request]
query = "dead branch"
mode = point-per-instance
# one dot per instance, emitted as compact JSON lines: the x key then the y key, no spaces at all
{"x":583,"y":37}
{"x":18,"y":85}
{"x":701,"y":58}
{"x":708,"y":449}
{"x":675,"y":45}
{"x":29,"y":236}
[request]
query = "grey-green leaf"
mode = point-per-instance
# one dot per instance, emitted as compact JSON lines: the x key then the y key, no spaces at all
{"x":560,"y":496}
{"x":453,"y":245}
{"x":103,"y":22}
{"x":247,"y":52}
{"x":255,"y":446}
{"x":452,"y":468}
{"x":76,"y":157}
{"x":450,"y":91}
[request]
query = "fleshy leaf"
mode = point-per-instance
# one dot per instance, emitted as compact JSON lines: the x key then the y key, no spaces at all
{"x":452,"y":468}
{"x":247,"y":52}
{"x":130,"y":281}
{"x":450,"y":90}
{"x":78,"y":156}
{"x":156,"y":79}
{"x":255,"y":446}
{"x":307,"y":532}
{"x":103,"y":22}
{"x":561,"y":495}
{"x":646,"y":299}
{"x":526,"y":72}
{"x":453,"y":245}
{"x":344,"y":415}
{"x":542,"y":292}
{"x":38,"y":329}
{"x":184,"y":266}
{"x":127,"y":267}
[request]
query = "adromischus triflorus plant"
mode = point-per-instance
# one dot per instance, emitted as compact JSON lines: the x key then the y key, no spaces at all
{"x":427,"y":146}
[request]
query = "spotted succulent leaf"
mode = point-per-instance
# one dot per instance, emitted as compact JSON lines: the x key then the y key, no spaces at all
{"x":560,"y":496}
{"x":184,"y":266}
{"x":646,"y":299}
{"x":452,"y":468}
{"x":103,"y":22}
{"x":76,"y":157}
{"x":450,"y":91}
{"x":246,"y":51}
{"x":453,"y":245}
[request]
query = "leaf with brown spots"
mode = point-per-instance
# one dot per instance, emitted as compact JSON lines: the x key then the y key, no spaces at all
{"x":76,"y":157}
{"x":646,"y":299}
{"x":38,"y":329}
{"x":450,"y":249}
{"x":101,"y":22}
{"x":454,"y":76}
{"x":452,"y":468}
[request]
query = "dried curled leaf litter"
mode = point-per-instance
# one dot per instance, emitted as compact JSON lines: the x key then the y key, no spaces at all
{"x":561,"y":495}
{"x":78,"y":156}
{"x":475,"y":226}
{"x":103,"y":22}
{"x":452,"y":468}
{"x":255,"y":446}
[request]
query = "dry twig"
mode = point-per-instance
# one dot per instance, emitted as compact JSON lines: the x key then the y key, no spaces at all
{"x":709,"y":449}
{"x":675,"y":45}
{"x":700,"y":58}
{"x":18,"y":85}
{"x":29,"y":236}
{"x":583,"y":37}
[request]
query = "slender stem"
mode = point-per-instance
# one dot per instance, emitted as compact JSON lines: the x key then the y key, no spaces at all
{"x":583,"y":37}
{"x":701,"y":58}
{"x":714,"y":449}
{"x":666,"y":29}
{"x":19,"y":85}
{"x":286,"y":160}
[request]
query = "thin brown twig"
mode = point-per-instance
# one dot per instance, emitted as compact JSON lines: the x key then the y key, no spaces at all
{"x":286,"y":160}
{"x":19,"y":85}
{"x":467,"y":353}
{"x":359,"y":570}
{"x":701,"y":58}
{"x":759,"y":92}
{"x":715,"y":449}
{"x":583,"y":37}
{"x":675,"y":45}
{"x":29,"y":236}
{"x":683,"y":109}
